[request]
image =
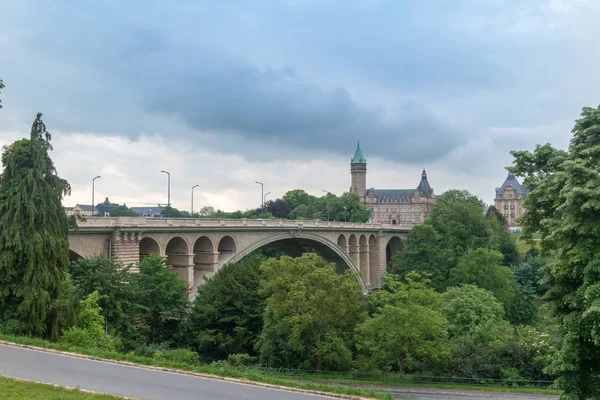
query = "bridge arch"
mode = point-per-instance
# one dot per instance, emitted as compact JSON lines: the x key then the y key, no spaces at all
{"x":394,"y":245}
{"x":226,"y":248}
{"x":342,"y":242}
{"x":334,"y":247}
{"x":148,"y":246}
{"x":74,"y":256}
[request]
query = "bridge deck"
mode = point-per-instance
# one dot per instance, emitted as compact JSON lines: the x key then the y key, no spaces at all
{"x":102,"y":223}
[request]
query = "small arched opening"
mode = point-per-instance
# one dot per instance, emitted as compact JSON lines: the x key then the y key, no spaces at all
{"x":177,"y":252}
{"x":342,"y":242}
{"x":178,"y":257}
{"x":226,"y":248}
{"x":394,"y":246}
{"x":393,"y":222}
{"x":148,"y":246}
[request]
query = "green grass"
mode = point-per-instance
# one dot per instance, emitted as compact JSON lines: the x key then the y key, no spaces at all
{"x":230,"y":372}
{"x":21,"y":390}
{"x":522,"y":246}
{"x":450,"y":386}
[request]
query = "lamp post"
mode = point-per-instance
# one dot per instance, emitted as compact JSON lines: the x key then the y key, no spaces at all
{"x":192,"y":210}
{"x":328,"y":193}
{"x":265,"y":199}
{"x":93,"y":189}
{"x":262,"y":198}
{"x":169,"y":188}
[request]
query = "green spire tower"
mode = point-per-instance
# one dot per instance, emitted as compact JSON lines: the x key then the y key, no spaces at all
{"x":358,"y":170}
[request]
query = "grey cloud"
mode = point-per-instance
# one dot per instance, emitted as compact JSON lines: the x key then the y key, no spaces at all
{"x":234,"y":98}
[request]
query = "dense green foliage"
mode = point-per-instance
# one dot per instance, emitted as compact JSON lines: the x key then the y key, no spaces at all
{"x":295,"y":204}
{"x":226,"y":317}
{"x":88,"y":330}
{"x":310,"y":314}
{"x":122,"y":211}
{"x":563,"y":206}
{"x":34,"y":248}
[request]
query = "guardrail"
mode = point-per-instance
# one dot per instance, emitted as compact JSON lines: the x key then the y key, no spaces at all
{"x":131,"y":222}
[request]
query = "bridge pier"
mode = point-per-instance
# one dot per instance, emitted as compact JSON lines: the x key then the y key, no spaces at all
{"x":365,"y":267}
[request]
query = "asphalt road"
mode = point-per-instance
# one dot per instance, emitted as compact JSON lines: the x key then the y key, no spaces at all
{"x":127,"y":381}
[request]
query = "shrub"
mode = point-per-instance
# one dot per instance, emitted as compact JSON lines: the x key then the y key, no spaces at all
{"x":241,"y":359}
{"x":177,"y":355}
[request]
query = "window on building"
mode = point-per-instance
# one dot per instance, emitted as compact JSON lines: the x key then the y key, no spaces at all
{"x":417,"y":218}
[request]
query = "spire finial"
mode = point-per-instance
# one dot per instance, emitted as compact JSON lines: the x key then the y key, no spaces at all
{"x":424,"y":174}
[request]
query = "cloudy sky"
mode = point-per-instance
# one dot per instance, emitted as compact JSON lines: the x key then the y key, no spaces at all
{"x":226,"y":93}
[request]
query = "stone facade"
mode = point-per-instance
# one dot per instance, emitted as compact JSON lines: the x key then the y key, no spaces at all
{"x":509,"y":200}
{"x":392,"y":206}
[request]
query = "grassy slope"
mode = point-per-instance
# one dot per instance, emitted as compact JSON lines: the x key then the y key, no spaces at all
{"x":205,"y":369}
{"x":302,"y":381}
{"x":21,"y":390}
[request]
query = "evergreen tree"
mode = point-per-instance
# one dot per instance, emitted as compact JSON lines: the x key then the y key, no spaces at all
{"x":34,"y":247}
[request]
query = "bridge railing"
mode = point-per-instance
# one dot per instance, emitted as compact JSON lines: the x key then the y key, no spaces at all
{"x":144,"y":222}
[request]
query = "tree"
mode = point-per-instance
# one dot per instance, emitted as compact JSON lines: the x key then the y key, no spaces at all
{"x":117,"y":292}
{"x":458,"y":196}
{"x":531,"y":273}
{"x":226,"y":317}
{"x":474,"y":311}
{"x":483,"y":268}
{"x":207,"y":212}
{"x":297,"y":197}
{"x":163,"y":298}
{"x":88,"y":331}
{"x":407,"y":328}
{"x":423,"y":253}
{"x":34,"y":247}
{"x":310,"y":313}
{"x":563,"y":206}
{"x":123,"y":211}
{"x":278,"y":208}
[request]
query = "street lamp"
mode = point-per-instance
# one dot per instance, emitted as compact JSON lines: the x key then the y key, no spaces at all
{"x":328,"y":193}
{"x":169,"y":188}
{"x":265,"y":198}
{"x":262,"y":198}
{"x":93,"y":189}
{"x":192,"y":210}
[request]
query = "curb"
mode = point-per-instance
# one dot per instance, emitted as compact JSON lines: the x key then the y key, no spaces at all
{"x":181,"y":372}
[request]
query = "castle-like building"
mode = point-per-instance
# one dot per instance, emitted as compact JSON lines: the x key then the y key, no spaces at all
{"x":392,"y":206}
{"x":509,"y":200}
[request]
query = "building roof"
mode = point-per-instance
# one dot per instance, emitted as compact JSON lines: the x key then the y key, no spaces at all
{"x":392,"y":195}
{"x":83,"y":207}
{"x":511,"y":180}
{"x":424,"y":187}
{"x":402,"y":195}
{"x":358,"y":156}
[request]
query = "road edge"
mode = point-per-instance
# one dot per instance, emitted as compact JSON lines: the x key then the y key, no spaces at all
{"x":179,"y":371}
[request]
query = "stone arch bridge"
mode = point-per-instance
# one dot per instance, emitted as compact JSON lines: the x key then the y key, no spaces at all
{"x":199,"y":247}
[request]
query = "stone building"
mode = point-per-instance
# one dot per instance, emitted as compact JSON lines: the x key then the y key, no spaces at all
{"x":393,"y":206}
{"x":509,"y":200}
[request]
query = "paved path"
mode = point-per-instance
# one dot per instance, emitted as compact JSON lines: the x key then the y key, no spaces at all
{"x":128,"y":381}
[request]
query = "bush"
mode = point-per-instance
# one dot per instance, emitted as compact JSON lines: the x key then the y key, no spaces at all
{"x":177,"y":355}
{"x":241,"y":359}
{"x":148,"y":350}
{"x":80,"y":337}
